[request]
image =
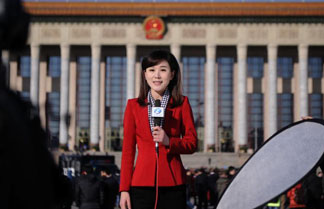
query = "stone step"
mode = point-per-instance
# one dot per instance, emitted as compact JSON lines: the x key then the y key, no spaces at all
{"x":196,"y":160}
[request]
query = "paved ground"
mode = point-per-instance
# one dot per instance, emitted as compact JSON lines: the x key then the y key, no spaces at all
{"x":209,"y":207}
{"x":74,"y":207}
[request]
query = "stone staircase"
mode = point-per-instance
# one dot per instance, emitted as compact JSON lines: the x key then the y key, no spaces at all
{"x":196,"y":160}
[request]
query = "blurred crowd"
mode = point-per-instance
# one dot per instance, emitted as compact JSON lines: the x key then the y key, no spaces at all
{"x":308,"y":193}
{"x":204,"y":189}
{"x":94,"y":189}
{"x":100,"y":189}
{"x":205,"y":186}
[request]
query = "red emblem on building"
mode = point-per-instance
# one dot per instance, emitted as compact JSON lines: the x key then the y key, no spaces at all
{"x":154,"y":27}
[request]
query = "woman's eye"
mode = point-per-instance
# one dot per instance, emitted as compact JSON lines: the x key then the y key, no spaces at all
{"x":151,"y":70}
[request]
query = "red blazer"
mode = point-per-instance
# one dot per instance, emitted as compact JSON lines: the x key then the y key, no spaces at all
{"x":178,"y":125}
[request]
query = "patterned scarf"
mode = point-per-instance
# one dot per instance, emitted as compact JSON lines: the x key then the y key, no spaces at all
{"x":164,"y":103}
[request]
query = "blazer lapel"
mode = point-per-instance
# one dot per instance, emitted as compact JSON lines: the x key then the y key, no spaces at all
{"x":168,"y":115}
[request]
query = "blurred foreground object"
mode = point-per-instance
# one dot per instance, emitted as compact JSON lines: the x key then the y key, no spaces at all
{"x":29,"y":178}
{"x":14,"y":23}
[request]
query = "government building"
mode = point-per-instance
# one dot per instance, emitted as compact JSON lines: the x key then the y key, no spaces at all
{"x":248,"y":68}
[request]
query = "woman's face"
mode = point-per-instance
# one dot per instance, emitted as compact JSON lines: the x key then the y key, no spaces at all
{"x":158,"y":78}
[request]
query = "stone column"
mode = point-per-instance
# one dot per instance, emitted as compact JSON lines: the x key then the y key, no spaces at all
{"x":241,"y":109}
{"x":43,"y":85}
{"x":131,"y":58}
{"x":271,"y":92}
{"x":5,"y":62}
{"x":64,"y":100}
{"x":15,"y":81}
{"x":176,"y":51}
{"x":34,"y":80}
{"x":303,"y":77}
{"x":209,"y":141}
{"x":72,"y":100}
{"x":102,"y":119}
{"x":95,"y":91}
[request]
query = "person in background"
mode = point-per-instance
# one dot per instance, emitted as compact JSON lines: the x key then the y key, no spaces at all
{"x":88,"y":190}
{"x":201,"y":186}
{"x":109,"y":189}
{"x":231,"y":171}
{"x":66,"y":198}
{"x":297,"y":197}
{"x":212,"y":178}
{"x":221,"y":183}
{"x":313,"y":184}
{"x":189,"y":188}
{"x":275,"y":203}
{"x":117,"y":177}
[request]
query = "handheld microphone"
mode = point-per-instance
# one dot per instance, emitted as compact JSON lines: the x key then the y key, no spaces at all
{"x":157,"y":114}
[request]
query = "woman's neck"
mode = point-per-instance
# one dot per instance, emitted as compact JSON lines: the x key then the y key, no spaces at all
{"x":156,"y":95}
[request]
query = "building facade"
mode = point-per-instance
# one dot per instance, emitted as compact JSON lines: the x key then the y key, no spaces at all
{"x":249,"y":69}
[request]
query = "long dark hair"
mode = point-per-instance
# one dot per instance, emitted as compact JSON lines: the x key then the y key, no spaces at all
{"x":174,"y":86}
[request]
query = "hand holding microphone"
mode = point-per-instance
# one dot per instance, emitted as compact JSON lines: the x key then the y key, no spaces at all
{"x":159,"y":135}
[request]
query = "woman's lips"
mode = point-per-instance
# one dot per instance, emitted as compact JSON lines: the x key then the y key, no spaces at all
{"x":157,"y":82}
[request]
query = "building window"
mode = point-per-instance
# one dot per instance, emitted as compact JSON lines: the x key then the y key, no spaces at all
{"x":24,"y":66}
{"x":54,"y":66}
{"x":255,"y":120}
{"x":285,"y":109}
{"x":115,"y":99}
{"x":285,"y":67}
{"x":316,"y":105}
{"x":53,"y":101}
{"x":225,"y":103}
{"x":83,"y":101}
{"x":255,"y":103}
{"x":53,"y":117}
{"x":315,"y":100}
{"x":24,"y":72}
{"x":255,"y":67}
{"x":193,"y":86}
{"x":315,"y":67}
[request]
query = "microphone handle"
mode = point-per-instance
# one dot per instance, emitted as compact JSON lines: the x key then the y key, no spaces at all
{"x":156,"y":123}
{"x":157,"y":147}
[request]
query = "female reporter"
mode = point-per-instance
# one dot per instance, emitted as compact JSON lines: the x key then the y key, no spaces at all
{"x":160,"y":80}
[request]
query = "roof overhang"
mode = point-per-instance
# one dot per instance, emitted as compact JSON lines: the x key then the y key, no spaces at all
{"x":174,"y":9}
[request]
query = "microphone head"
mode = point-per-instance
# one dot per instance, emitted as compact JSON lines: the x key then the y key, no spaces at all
{"x":157,"y":112}
{"x":157,"y":121}
{"x":157,"y":103}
